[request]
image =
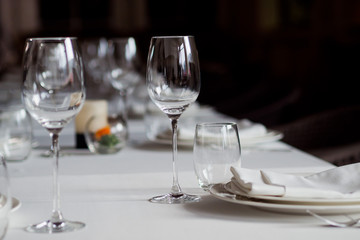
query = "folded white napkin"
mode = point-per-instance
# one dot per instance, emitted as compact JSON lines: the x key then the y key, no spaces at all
{"x":246,"y":128}
{"x":339,"y":182}
{"x":249,"y":129}
{"x":185,"y":134}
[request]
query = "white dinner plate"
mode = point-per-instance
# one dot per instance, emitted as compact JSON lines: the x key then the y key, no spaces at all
{"x":221,"y":193}
{"x":292,"y":200}
{"x":270,"y":136}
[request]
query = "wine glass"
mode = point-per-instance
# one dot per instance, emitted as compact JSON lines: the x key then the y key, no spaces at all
{"x":173,"y":83}
{"x":122,"y":63}
{"x":53,"y":93}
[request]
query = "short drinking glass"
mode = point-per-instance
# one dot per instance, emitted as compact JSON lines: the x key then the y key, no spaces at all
{"x":216,"y":149}
{"x":15,"y":133}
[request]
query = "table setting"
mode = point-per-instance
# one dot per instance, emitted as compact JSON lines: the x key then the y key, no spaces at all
{"x":181,"y":169}
{"x":328,"y":192}
{"x":250,"y":133}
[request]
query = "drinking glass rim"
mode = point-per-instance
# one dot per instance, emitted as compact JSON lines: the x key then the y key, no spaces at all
{"x":50,"y":39}
{"x":215,"y":124}
{"x":176,"y":36}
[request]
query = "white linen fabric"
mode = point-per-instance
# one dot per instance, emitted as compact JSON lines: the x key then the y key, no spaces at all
{"x":246,"y":128}
{"x":249,"y":129}
{"x":339,"y":182}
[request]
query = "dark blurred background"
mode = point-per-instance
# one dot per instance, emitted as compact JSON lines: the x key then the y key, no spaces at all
{"x":292,"y":65}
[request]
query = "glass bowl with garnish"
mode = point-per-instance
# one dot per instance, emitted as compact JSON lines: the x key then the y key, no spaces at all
{"x":106,"y":137}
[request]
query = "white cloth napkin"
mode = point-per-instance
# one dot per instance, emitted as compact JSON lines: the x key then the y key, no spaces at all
{"x":246,"y":128}
{"x":339,"y":182}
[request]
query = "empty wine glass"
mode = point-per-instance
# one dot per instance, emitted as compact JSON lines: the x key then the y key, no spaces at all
{"x":53,"y":93}
{"x":173,"y":83}
{"x":122,"y":63}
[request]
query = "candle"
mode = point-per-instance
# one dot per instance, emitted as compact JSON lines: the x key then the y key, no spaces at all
{"x":91,"y":108}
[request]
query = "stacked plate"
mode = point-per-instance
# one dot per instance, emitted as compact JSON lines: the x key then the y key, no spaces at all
{"x":286,"y":204}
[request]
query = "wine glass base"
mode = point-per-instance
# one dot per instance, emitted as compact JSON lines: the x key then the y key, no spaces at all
{"x":50,"y":154}
{"x":171,"y":198}
{"x":55,"y":227}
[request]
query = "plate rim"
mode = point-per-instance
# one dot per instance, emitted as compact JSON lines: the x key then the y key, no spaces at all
{"x":281,"y":207}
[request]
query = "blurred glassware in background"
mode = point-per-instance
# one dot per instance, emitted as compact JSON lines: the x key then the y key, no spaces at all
{"x":94,"y":56}
{"x":93,"y":52}
{"x":97,"y":56}
{"x":137,"y":101}
{"x":10,"y":89}
{"x":123,"y":74}
{"x":15,"y":127}
{"x":5,"y":198}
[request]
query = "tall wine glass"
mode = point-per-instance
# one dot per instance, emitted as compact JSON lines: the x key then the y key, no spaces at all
{"x":173,"y":83}
{"x":53,"y":93}
{"x":122,"y":62}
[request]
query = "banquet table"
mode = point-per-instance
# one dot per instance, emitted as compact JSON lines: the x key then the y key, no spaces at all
{"x":110,"y":194}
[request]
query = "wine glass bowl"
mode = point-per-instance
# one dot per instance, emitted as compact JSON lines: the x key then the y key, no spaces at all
{"x":94,"y":57}
{"x":53,"y":93}
{"x":122,"y":61}
{"x":173,"y":83}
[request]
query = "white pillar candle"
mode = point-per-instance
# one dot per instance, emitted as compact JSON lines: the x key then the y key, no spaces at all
{"x":97,"y":108}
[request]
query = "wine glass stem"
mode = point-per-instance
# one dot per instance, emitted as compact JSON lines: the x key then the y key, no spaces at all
{"x":175,"y":190}
{"x":124,"y":99}
{"x":56,"y":213}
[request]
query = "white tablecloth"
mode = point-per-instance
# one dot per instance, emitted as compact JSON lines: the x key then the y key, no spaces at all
{"x":110,"y":194}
